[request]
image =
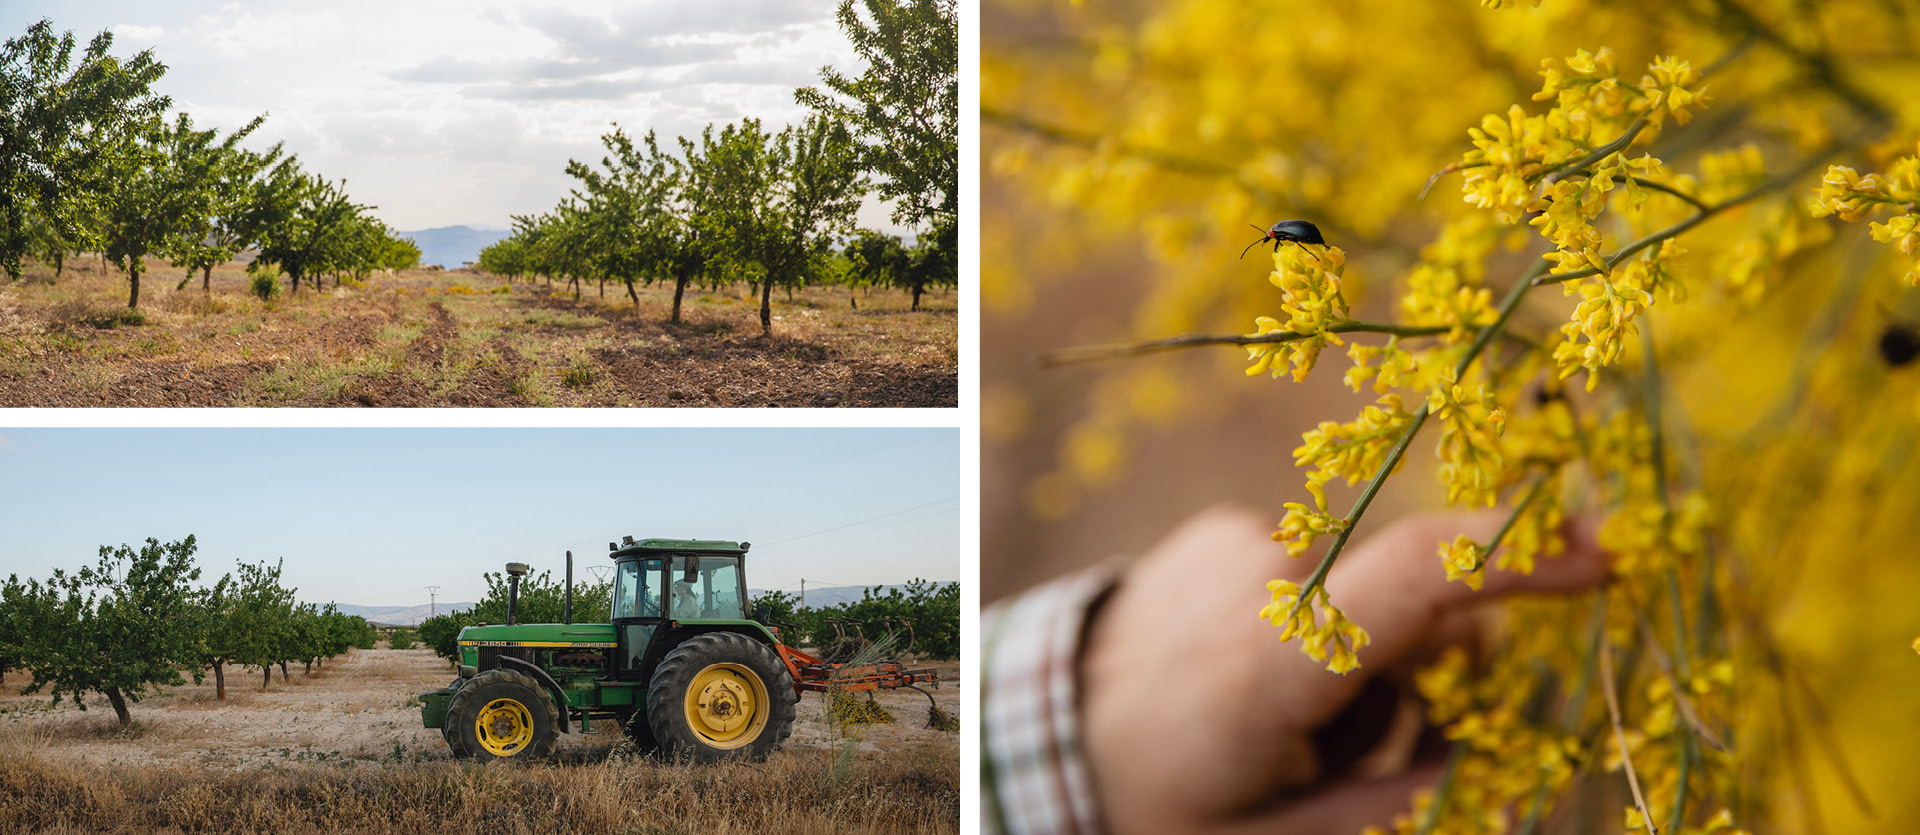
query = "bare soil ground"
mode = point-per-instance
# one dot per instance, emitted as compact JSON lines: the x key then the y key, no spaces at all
{"x":360,"y":708}
{"x":435,"y":338}
{"x":350,"y":733}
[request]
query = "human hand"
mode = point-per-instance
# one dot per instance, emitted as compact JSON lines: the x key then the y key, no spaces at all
{"x":1196,"y":718}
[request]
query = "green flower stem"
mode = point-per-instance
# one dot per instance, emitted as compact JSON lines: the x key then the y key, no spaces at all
{"x":1533,"y":492}
{"x":1442,"y":791}
{"x":1118,"y":350}
{"x":1508,"y":306}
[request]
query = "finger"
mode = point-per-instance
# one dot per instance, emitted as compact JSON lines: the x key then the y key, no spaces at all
{"x":1392,"y":585}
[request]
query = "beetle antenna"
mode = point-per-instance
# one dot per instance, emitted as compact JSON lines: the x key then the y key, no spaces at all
{"x":1303,"y":247}
{"x":1243,"y":253}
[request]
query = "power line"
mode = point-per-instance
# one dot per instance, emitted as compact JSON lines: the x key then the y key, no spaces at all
{"x":862,"y":521}
{"x":872,"y":530}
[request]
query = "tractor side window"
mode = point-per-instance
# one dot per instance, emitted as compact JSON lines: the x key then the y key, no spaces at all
{"x":632,"y":596}
{"x":724,"y":599}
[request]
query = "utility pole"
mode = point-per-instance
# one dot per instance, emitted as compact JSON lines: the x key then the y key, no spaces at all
{"x":803,"y":592}
{"x":432,"y":609}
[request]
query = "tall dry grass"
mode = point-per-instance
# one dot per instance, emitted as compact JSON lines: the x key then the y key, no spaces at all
{"x":907,"y":791}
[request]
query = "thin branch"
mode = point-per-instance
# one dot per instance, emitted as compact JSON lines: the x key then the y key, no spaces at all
{"x":1600,"y":153}
{"x":1687,"y":711}
{"x":1089,"y":353}
{"x":1696,"y":218}
{"x":1619,"y":731}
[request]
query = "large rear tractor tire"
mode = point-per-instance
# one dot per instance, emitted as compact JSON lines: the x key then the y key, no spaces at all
{"x":720,"y":696}
{"x":502,"y":715}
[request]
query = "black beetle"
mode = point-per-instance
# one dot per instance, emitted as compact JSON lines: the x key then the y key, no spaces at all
{"x":1289,"y":231}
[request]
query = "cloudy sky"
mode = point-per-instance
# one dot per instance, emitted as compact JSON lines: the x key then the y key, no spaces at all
{"x":373,"y":516}
{"x":464,"y":112}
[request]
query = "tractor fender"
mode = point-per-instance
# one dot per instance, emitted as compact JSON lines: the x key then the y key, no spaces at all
{"x":539,"y":675}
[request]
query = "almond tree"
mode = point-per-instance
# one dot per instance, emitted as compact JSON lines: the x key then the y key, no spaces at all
{"x":904,"y":107}
{"x":116,"y":628}
{"x":58,"y":120}
{"x":159,"y":189}
{"x":304,"y":223}
{"x":260,"y":618}
{"x":815,"y":189}
{"x":221,"y":233}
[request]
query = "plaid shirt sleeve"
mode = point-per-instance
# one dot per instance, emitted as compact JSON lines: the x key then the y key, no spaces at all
{"x":1033,"y":777}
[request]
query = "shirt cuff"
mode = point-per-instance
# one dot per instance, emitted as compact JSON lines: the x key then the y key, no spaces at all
{"x":1033,"y":774}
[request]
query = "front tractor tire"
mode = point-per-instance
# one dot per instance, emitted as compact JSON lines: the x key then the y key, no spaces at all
{"x":720,"y":696}
{"x":502,"y":715}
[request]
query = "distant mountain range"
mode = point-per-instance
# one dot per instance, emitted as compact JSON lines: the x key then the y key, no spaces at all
{"x":453,"y":246}
{"x":401,"y":615}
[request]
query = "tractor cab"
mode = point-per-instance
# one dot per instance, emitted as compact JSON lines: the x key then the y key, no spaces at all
{"x":663,"y":587}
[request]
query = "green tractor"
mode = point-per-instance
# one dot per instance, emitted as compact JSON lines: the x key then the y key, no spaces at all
{"x":680,"y":666}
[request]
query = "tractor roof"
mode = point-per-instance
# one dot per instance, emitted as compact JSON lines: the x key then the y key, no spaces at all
{"x":641,"y":547}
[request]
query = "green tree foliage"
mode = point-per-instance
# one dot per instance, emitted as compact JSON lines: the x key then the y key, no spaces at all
{"x":816,"y":187}
{"x":116,"y":628}
{"x":401,"y":638}
{"x":306,"y":225}
{"x":878,"y":259}
{"x":261,"y":618}
{"x":933,"y":608}
{"x":541,"y":601}
{"x":160,"y":189}
{"x":60,"y":120}
{"x":627,"y":217}
{"x":219,"y":233}
{"x":441,"y":633}
{"x":904,"y":107}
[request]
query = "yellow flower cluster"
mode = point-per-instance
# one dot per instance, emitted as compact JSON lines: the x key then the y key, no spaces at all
{"x":1845,"y":193}
{"x":1333,"y":643}
{"x":1471,"y":465}
{"x":1310,"y":302}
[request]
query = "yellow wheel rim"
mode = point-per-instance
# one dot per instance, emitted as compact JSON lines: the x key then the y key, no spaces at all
{"x":504,"y":727}
{"x":727,"y":705}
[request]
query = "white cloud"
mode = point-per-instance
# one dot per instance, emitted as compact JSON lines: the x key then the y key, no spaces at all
{"x":445,"y":112}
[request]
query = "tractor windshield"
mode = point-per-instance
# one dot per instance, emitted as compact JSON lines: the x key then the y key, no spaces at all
{"x":707,"y":588}
{"x":636,"y":595}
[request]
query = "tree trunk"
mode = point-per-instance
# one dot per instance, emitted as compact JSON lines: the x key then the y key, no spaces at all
{"x":679,"y":289}
{"x":917,"y":288}
{"x":266,"y":670}
{"x":59,"y":264}
{"x":119,"y":704}
{"x":219,"y":679}
{"x":575,"y":282}
{"x":133,"y":274}
{"x":789,"y":294}
{"x":283,"y":672}
{"x":766,"y":307}
{"x":603,"y":289}
{"x":635,"y":296}
{"x":206,"y":279}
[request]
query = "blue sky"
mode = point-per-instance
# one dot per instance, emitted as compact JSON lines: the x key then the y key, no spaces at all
{"x":373,"y":516}
{"x":464,"y":112}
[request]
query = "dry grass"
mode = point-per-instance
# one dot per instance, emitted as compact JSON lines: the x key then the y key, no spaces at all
{"x":431,"y":338}
{"x":910,"y":791}
{"x":341,"y":749}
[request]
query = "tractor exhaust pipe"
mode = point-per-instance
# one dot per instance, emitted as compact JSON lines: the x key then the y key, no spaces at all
{"x":515,"y":570}
{"x":566,"y":609}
